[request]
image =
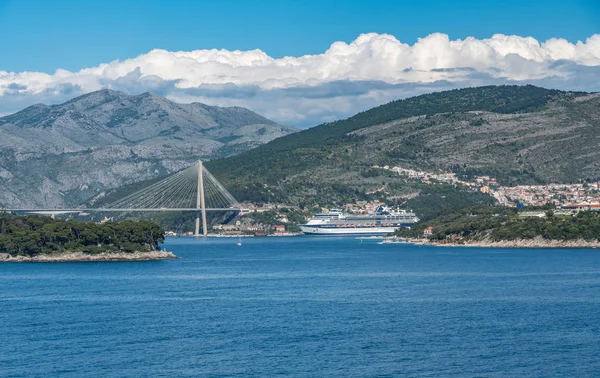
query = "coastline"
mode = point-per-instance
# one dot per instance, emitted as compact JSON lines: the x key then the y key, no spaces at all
{"x":83,"y":257}
{"x":537,"y":242}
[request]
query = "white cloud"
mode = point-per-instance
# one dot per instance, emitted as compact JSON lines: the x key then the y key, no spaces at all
{"x":312,"y":88}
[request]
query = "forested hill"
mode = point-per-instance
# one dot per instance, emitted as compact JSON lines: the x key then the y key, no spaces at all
{"x":497,"y":99}
{"x":497,"y":224}
{"x":517,"y":133}
{"x":34,"y":235}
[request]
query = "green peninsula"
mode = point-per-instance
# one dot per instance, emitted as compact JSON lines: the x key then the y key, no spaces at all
{"x":507,"y":227}
{"x":36,"y":238}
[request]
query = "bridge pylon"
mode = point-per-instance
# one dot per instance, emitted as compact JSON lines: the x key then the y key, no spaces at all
{"x":200,"y":203}
{"x":193,"y":189}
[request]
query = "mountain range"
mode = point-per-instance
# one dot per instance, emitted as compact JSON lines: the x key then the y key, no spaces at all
{"x":65,"y":154}
{"x":518,"y":134}
{"x":60,"y":155}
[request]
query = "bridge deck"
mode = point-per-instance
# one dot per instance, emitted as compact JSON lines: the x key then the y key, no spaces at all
{"x":117,"y":210}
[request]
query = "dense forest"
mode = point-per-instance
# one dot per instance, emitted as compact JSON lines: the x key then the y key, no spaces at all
{"x":501,"y":224}
{"x":33,"y":235}
{"x":436,"y":200}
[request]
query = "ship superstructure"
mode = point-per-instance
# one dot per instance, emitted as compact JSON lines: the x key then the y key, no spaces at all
{"x":335,"y":222}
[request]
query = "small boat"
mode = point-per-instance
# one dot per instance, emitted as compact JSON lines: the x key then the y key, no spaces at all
{"x":239,"y":241}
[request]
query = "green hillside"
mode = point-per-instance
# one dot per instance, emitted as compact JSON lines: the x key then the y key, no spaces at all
{"x":32,"y":235}
{"x":501,"y":224}
{"x":310,"y":147}
{"x":519,"y":134}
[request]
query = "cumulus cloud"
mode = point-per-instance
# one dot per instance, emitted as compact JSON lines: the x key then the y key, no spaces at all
{"x":305,"y":90}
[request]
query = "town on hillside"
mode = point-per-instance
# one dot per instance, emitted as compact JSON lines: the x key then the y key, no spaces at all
{"x":582,"y":196}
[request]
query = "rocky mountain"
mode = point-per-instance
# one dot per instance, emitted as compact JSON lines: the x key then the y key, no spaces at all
{"x":519,"y":134}
{"x":60,"y":155}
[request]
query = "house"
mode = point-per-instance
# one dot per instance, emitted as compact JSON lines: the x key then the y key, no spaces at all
{"x":428,"y":232}
{"x":279,"y":228}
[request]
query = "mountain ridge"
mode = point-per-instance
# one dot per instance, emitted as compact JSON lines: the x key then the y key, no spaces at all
{"x":520,"y":134}
{"x":57,"y":155}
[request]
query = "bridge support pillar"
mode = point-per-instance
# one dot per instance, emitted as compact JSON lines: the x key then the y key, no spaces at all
{"x":200,"y":204}
{"x":197,"y":227}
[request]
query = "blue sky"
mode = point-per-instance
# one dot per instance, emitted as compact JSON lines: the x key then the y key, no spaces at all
{"x":42,"y":35}
{"x":299,"y":63}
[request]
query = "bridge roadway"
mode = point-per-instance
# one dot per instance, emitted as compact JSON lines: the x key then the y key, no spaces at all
{"x":118,"y":210}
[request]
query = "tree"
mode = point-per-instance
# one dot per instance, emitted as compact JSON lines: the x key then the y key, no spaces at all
{"x":32,"y":235}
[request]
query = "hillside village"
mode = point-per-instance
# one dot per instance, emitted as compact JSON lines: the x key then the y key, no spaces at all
{"x":581,"y":196}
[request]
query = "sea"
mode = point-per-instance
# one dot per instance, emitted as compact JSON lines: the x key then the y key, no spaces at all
{"x":306,"y":307}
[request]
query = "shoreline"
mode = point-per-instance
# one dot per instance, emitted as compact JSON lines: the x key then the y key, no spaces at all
{"x":537,"y":242}
{"x":235,"y":236}
{"x":83,"y":257}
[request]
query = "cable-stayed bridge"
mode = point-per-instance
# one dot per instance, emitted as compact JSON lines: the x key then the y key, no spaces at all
{"x":192,"y":189}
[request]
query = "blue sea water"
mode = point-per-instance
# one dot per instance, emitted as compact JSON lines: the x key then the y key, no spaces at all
{"x":306,"y":307}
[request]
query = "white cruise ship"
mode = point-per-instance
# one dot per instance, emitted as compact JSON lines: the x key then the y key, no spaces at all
{"x":335,"y":222}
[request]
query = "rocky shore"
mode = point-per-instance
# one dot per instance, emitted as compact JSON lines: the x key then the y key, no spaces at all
{"x":80,"y":256}
{"x":537,"y":242}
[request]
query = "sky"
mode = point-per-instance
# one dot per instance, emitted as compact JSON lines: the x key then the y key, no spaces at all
{"x":299,"y":63}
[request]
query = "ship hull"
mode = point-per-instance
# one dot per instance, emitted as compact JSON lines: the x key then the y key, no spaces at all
{"x":312,"y":230}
